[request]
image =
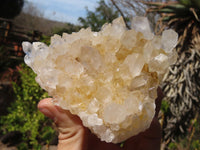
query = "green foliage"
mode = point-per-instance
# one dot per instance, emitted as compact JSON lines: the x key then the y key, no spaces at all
{"x":121,"y":145}
{"x":191,"y":140}
{"x":45,"y":39}
{"x":186,"y":2}
{"x":195,"y":145}
{"x":190,"y":3}
{"x":69,"y":28}
{"x":172,"y":146}
{"x":47,"y":133}
{"x":23,"y":115}
{"x":102,"y":14}
{"x":165,"y":106}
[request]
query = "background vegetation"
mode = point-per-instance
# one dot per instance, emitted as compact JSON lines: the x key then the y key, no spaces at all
{"x":23,"y":118}
{"x":22,"y":125}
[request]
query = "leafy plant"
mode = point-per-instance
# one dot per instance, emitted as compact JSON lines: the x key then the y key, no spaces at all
{"x":23,"y":115}
{"x":165,"y":106}
{"x":68,"y":28}
{"x":181,"y":84}
{"x":172,"y":146}
{"x":102,"y":14}
{"x":45,"y":39}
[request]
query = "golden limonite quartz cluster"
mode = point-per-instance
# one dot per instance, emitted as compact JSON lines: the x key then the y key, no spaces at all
{"x":108,"y":78}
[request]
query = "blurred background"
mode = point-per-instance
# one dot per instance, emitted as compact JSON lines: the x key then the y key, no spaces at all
{"x":23,"y":127}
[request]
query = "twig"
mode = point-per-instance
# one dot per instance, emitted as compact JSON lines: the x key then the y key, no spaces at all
{"x":121,"y":13}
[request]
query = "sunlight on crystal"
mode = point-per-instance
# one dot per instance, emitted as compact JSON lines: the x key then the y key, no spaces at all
{"x":108,"y":78}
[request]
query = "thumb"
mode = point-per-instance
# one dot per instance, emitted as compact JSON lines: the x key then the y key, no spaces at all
{"x":71,"y":131}
{"x":62,"y":118}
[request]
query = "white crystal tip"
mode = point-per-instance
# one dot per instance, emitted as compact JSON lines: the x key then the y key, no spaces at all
{"x":26,"y":46}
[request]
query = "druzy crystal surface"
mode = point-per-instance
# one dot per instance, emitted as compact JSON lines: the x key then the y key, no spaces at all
{"x":108,"y":78}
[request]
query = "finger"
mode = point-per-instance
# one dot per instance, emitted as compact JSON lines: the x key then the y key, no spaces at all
{"x":47,"y":108}
{"x":71,"y":130}
{"x":63,"y":118}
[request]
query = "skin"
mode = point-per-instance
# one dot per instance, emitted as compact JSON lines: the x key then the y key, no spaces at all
{"x":74,"y":136}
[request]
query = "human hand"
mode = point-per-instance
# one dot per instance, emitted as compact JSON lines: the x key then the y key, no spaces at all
{"x":74,"y":136}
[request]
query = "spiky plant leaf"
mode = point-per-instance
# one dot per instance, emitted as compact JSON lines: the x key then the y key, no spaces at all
{"x":182,"y":83}
{"x":187,"y":3}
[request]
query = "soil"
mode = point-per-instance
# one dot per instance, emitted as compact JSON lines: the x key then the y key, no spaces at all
{"x":5,"y":147}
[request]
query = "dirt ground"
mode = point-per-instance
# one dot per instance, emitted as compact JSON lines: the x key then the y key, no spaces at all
{"x":5,"y":147}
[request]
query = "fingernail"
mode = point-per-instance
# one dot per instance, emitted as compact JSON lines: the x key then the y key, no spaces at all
{"x":47,"y":113}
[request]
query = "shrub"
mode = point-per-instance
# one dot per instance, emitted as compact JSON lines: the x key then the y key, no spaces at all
{"x":23,"y":115}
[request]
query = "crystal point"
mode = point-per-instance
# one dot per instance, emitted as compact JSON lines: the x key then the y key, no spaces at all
{"x":141,"y":24}
{"x":169,"y":40}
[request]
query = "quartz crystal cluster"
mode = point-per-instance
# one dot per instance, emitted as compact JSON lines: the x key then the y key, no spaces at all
{"x":108,"y":78}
